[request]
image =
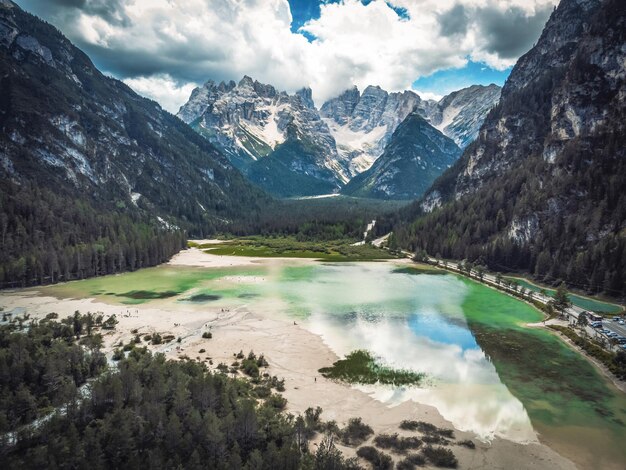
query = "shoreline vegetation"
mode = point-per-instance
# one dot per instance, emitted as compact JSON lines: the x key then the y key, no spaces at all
{"x":608,"y":361}
{"x":360,"y":367}
{"x":584,"y":301}
{"x":340,"y":250}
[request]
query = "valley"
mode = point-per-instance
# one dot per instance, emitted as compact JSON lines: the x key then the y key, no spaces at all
{"x":468,"y":340}
{"x":312,"y":235}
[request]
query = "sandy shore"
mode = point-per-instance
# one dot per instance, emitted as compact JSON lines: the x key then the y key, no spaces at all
{"x":293,"y":353}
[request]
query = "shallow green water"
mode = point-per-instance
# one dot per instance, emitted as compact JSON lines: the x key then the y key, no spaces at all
{"x":486,"y":372}
{"x":582,"y":302}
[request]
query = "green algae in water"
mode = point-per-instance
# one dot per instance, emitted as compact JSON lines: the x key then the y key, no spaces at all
{"x":202,"y":298}
{"x":360,"y":367}
{"x":416,"y":270}
{"x":149,"y":284}
{"x":148,"y":295}
{"x":559,"y":388}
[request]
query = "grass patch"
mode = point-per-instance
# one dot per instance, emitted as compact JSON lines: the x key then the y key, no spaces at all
{"x":360,"y":367}
{"x":290,"y":247}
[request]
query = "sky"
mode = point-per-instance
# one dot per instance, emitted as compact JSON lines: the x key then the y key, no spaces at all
{"x":163,"y":49}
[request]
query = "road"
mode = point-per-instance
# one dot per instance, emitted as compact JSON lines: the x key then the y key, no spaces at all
{"x":571,"y":313}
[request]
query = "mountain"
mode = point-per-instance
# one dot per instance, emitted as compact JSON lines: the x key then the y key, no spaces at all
{"x":415,"y":156}
{"x":543,"y":188}
{"x":278,"y":140}
{"x":362,"y":124}
{"x":460,"y":114}
{"x":94,"y":178}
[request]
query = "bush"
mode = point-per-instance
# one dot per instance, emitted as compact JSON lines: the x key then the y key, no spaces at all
{"x":207,"y":335}
{"x":411,"y":461}
{"x":157,"y":339}
{"x":467,"y":443}
{"x":118,"y":355}
{"x":426,"y":428}
{"x":262,"y":391}
{"x":250,"y":367}
{"x":202,"y":351}
{"x":440,"y":457}
{"x":398,"y":444}
{"x":379,"y":460}
{"x":278,"y":402}
{"x":147,"y":338}
{"x":261,"y":361}
{"x":355,"y":432}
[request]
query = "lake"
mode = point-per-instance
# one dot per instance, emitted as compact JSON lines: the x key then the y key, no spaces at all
{"x":486,"y":372}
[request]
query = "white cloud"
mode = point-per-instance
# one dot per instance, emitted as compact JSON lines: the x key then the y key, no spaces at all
{"x":157,"y":46}
{"x":163,"y":89}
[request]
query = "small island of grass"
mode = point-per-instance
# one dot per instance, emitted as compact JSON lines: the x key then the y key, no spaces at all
{"x":360,"y":367}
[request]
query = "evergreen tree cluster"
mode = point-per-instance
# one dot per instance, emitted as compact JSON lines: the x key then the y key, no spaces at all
{"x":165,"y":414}
{"x":47,"y":236}
{"x":42,"y":366}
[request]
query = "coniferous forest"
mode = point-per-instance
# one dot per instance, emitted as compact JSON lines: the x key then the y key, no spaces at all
{"x":70,"y":412}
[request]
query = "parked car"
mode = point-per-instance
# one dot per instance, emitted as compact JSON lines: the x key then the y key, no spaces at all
{"x":596,"y":324}
{"x":616,"y":318}
{"x":621,"y":322}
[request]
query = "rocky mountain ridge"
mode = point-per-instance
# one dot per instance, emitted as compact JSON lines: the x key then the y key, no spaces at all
{"x":288,"y":147}
{"x":543,"y":188}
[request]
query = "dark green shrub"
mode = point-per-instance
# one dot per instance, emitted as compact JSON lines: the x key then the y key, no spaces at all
{"x":355,"y":432}
{"x":440,"y":457}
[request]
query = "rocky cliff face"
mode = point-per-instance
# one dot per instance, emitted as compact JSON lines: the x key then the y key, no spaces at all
{"x":541,"y":105}
{"x":415,"y":156}
{"x":67,"y":127}
{"x":460,"y":114}
{"x":251,"y":121}
{"x":543,"y":187}
{"x":362,"y":124}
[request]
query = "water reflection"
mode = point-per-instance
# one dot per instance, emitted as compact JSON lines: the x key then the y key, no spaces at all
{"x":412,"y":322}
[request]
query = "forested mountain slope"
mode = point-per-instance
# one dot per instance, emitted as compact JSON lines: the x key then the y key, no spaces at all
{"x":543,"y":188}
{"x":93,"y":178}
{"x":415,"y":156}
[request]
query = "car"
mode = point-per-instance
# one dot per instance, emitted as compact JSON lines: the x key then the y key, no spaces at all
{"x":612,"y":334}
{"x":621,"y":340}
{"x":622,"y":322}
{"x":596,"y":324}
{"x":605,"y":331}
{"x":616,"y":318}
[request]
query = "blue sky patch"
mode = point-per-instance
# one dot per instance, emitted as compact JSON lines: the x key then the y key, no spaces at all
{"x":443,"y":82}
